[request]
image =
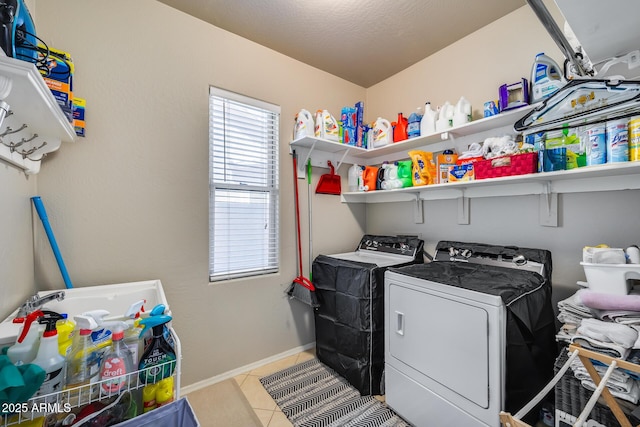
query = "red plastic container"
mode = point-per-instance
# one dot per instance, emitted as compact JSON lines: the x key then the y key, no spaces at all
{"x":519,"y":164}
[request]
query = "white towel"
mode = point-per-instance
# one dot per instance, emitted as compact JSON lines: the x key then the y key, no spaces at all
{"x":632,"y":396}
{"x":623,"y":335}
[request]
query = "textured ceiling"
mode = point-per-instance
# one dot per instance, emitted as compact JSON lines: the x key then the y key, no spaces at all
{"x":362,"y":41}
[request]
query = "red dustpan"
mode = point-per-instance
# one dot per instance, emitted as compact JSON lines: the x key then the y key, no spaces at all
{"x":329,"y":183}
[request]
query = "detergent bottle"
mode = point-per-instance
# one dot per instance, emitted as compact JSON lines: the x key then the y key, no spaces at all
{"x":413,"y":126}
{"x":304,"y":125}
{"x":404,"y":173}
{"x":83,"y":365}
{"x":369,"y":177}
{"x":48,"y":356}
{"x":66,"y":328}
{"x":26,"y":347}
{"x":326,"y":126}
{"x":116,"y":365}
{"x":546,"y":78}
{"x":159,"y":358}
{"x":400,"y":128}
{"x":382,"y":133}
{"x":428,"y":122}
{"x":462,"y":112}
{"x":391,"y":180}
{"x":355,"y":177}
{"x":445,"y":117}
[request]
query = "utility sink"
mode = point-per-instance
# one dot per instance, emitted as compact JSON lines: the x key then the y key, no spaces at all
{"x":115,"y":298}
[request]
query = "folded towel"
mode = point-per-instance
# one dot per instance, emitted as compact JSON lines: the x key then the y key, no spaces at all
{"x":623,"y":335}
{"x":608,"y":348}
{"x":570,"y":310}
{"x":604,"y":301}
{"x":631,"y":396}
{"x":618,"y":378}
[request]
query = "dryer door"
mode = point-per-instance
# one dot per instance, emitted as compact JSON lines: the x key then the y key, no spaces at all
{"x":444,"y":338}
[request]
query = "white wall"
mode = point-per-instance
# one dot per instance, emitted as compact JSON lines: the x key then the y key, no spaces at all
{"x":130,"y":201}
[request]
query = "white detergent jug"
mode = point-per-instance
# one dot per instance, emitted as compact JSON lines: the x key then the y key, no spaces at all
{"x":326,"y":126}
{"x":304,"y":125}
{"x":382,"y":132}
{"x":428,"y":122}
{"x":445,"y":117}
{"x":546,"y":78}
{"x":462,"y":112}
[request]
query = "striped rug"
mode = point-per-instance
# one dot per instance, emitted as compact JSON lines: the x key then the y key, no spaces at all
{"x":311,"y":394}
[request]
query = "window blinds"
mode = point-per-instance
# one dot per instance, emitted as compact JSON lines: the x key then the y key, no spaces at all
{"x":244,"y":191}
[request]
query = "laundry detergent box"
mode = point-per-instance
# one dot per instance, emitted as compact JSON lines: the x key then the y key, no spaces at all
{"x":79,"y":106}
{"x":58,"y":76}
{"x":461,"y":173}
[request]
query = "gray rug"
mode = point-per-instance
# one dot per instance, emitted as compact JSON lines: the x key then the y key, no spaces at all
{"x":312,"y":394}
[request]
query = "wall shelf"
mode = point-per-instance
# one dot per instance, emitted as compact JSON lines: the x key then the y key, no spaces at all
{"x":35,"y":124}
{"x":320,"y":150}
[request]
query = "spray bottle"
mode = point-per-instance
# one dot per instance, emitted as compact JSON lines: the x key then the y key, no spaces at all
{"x":158,"y":360}
{"x":117,"y":364}
{"x":48,"y":357}
{"x":83,"y":363}
{"x":66,"y":329}
{"x":26,"y":347}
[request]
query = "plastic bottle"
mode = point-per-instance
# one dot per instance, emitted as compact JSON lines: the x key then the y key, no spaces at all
{"x":149,"y":397}
{"x":413,"y":126}
{"x":116,"y":365}
{"x":428,"y":122}
{"x":400,"y":128}
{"x":158,"y":360}
{"x":445,"y":117}
{"x":304,"y":125}
{"x":83,"y":368}
{"x":462,"y":112}
{"x":164,"y":393}
{"x":404,"y":173}
{"x":546,"y":78}
{"x":355,"y":173}
{"x":26,"y":347}
{"x":66,"y":328}
{"x":48,"y":357}
{"x":382,"y":133}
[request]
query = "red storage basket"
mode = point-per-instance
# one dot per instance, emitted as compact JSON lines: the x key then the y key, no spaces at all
{"x":519,"y":164}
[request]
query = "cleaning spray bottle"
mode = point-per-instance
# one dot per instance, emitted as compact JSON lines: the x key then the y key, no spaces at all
{"x":65,"y":328}
{"x":117,"y":364}
{"x":158,"y":360}
{"x":26,"y":347}
{"x":83,"y":367}
{"x":48,"y":357}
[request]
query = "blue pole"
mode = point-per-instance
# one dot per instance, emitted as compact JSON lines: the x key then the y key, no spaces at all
{"x":42,"y":213}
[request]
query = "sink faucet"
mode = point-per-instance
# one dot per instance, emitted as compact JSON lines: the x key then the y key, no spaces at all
{"x":34,"y":302}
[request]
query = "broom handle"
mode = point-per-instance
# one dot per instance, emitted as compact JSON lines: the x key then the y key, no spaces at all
{"x":295,"y":186}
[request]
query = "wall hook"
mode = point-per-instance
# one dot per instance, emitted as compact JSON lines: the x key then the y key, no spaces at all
{"x":22,"y":141}
{"x":9,"y":131}
{"x":26,"y":153}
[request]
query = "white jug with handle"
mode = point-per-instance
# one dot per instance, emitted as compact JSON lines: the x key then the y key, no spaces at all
{"x":382,"y":132}
{"x":304,"y":125}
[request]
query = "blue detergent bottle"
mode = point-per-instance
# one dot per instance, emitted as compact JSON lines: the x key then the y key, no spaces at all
{"x":413,"y":127}
{"x":159,"y":359}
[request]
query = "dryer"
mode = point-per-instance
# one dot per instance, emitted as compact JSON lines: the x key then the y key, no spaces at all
{"x":469,"y":334}
{"x":349,"y":323}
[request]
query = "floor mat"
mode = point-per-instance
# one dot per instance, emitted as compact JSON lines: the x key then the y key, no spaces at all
{"x":312,"y":394}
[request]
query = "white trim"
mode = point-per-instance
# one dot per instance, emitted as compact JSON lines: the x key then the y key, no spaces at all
{"x":222,"y":93}
{"x":244,"y":369}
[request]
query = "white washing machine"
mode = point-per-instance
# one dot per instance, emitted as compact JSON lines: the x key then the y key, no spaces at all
{"x":349,"y":323}
{"x":456,"y":343}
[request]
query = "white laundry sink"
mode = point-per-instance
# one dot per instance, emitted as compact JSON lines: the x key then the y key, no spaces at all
{"x":115,"y":298}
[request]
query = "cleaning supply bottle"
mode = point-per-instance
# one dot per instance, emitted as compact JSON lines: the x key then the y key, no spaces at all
{"x":400,"y":128}
{"x":116,"y":365}
{"x":546,"y":78}
{"x":164,"y":393}
{"x":445,"y":117}
{"x":404,"y":173}
{"x":48,"y":357}
{"x":83,"y":368}
{"x":355,"y":176}
{"x":413,"y":126}
{"x":26,"y":347}
{"x":159,"y":359}
{"x":304,"y":125}
{"x":149,"y":397}
{"x":428,"y":122}
{"x":65,"y":329}
{"x":382,"y":133}
{"x":462,"y":112}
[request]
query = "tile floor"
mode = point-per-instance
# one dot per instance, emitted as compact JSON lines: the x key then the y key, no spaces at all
{"x":263,"y":405}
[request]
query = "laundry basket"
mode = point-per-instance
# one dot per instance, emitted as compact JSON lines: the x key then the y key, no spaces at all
{"x":175,"y":414}
{"x":571,"y":397}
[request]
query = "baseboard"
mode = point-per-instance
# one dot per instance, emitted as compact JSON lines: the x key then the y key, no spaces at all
{"x":230,"y":374}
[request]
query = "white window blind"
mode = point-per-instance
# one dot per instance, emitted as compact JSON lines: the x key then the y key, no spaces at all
{"x":243,"y":181}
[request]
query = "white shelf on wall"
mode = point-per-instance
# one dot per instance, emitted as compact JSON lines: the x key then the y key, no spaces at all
{"x":320,"y":150}
{"x":35,"y":125}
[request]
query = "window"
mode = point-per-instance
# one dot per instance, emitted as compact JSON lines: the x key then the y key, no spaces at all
{"x":243,"y":181}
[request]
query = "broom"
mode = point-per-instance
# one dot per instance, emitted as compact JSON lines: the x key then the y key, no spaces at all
{"x":301,"y":288}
